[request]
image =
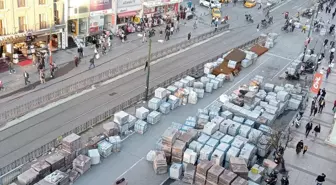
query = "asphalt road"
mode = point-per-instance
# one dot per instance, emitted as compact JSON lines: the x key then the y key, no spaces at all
{"x":30,"y":134}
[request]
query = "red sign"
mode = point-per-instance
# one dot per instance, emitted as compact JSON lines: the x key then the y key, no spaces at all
{"x":98,"y":5}
{"x":316,"y":83}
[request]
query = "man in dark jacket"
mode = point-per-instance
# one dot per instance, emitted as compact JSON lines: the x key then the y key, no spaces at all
{"x":309,"y":126}
{"x":320,"y":179}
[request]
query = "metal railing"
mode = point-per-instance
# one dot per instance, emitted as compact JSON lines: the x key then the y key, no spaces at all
{"x":24,"y":108}
{"x":9,"y":171}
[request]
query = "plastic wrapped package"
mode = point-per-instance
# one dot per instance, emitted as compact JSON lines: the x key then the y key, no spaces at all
{"x":124,"y":129}
{"x":154,"y":117}
{"x":237,"y":143}
{"x":154,"y":103}
{"x":238,"y":119}
{"x":269,"y":87}
{"x":165,"y":108}
{"x":141,"y":113}
{"x":263,"y":146}
{"x":116,"y":142}
{"x":105,"y":148}
{"x":94,"y":155}
{"x":249,"y":123}
{"x":218,"y":157}
{"x":210,"y":128}
{"x":196,"y":146}
{"x":244,"y":131}
{"x":206,"y":152}
{"x":227,"y":139}
{"x":172,"y":89}
{"x":140,"y":127}
{"x":220,"y":82}
{"x":223,"y":147}
{"x":175,"y":171}
{"x":160,"y":93}
{"x":246,"y":63}
{"x":232,"y":152}
{"x":190,"y":156}
{"x":232,"y":64}
{"x":227,"y":114}
{"x":199,"y":92}
{"x":203,"y":138}
{"x":211,"y":76}
{"x":212,"y":142}
{"x":202,"y":119}
{"x":224,"y":126}
{"x":186,"y":128}
{"x":233,"y":130}
{"x":266,"y":129}
{"x":120,"y":117}
{"x":176,"y":125}
{"x":179,"y":84}
{"x":293,"y":104}
{"x":215,"y":84}
{"x":217,"y":120}
{"x":193,"y":97}
{"x":209,"y":87}
{"x":198,"y":85}
{"x":173,"y":101}
{"x":254,"y":136}
{"x":224,"y":98}
{"x":131,"y":121}
{"x":28,"y":176}
{"x":185,"y":82}
{"x":190,"y":79}
{"x":205,"y":80}
{"x":218,"y":135}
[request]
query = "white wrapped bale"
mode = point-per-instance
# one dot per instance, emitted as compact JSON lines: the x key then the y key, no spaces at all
{"x":246,"y":63}
{"x":227,"y":114}
{"x":212,"y":142}
{"x":185,"y":82}
{"x":199,"y":92}
{"x":211,"y":76}
{"x":172,"y":89}
{"x":150,"y":156}
{"x":191,"y":80}
{"x":210,"y":128}
{"x":234,"y":129}
{"x":227,"y":139}
{"x":206,"y":152}
{"x":190,"y":156}
{"x":269,"y":87}
{"x":198,"y":85}
{"x":203,"y":138}
{"x":250,"y":55}
{"x":120,"y":117}
{"x":141,"y":113}
{"x":202,"y":119}
{"x":215,"y":84}
{"x":244,"y":131}
{"x":218,"y":157}
{"x":278,"y":88}
{"x":196,"y":146}
{"x":238,"y":119}
{"x":161,"y":93}
{"x":165,"y":108}
{"x":205,"y":80}
{"x":154,"y":103}
{"x":140,"y":127}
{"x":223,"y":146}
{"x":175,"y":171}
{"x":217,"y":135}
{"x":224,"y":98}
{"x":95,"y":156}
{"x":154,"y":117}
{"x":293,"y":104}
{"x":179,"y":84}
{"x":232,"y":152}
{"x":209,"y":87}
{"x":232,"y":64}
{"x":237,"y":143}
{"x":193,"y":97}
{"x":283,"y":96}
{"x":220,"y":82}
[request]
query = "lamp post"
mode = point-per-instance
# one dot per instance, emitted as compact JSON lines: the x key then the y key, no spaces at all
{"x":50,"y":35}
{"x":309,"y":32}
{"x":147,"y":66}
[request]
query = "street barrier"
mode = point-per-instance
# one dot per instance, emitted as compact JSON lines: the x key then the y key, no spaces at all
{"x":10,"y":171}
{"x":111,"y":73}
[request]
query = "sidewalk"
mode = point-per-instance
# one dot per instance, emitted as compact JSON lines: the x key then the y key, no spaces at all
{"x":14,"y":83}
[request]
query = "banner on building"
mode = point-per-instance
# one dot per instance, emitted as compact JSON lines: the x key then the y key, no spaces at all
{"x":99,"y":5}
{"x":317,"y":81}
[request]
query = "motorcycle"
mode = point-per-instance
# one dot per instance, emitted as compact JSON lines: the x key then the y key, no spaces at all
{"x":272,"y":178}
{"x":285,"y":28}
{"x":264,"y":23}
{"x":249,"y":18}
{"x":278,"y":155}
{"x":307,"y":13}
{"x":151,"y":32}
{"x":284,"y":180}
{"x":292,"y":77}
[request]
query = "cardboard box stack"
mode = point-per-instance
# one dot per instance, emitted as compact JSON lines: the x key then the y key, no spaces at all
{"x":168,"y":139}
{"x":178,"y":149}
{"x":56,"y":161}
{"x":111,"y":129}
{"x":81,"y":164}
{"x":227,"y":177}
{"x":239,"y":167}
{"x":201,"y":171}
{"x":42,"y":168}
{"x":160,"y":163}
{"x":213,"y":174}
{"x":68,"y":158}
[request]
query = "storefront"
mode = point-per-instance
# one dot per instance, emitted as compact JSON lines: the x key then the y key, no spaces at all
{"x":101,"y":14}
{"x":164,"y":8}
{"x":128,"y":11}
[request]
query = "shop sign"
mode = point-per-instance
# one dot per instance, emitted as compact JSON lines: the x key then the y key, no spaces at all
{"x":103,"y":12}
{"x":98,"y":5}
{"x":96,"y":21}
{"x":129,"y":9}
{"x":149,"y":10}
{"x":316,"y":83}
{"x":129,"y":3}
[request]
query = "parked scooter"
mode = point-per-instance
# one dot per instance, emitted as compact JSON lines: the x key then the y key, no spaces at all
{"x":278,"y":155}
{"x":292,"y":77}
{"x":284,"y":180}
{"x":297,"y":120}
{"x":248,"y":18}
{"x":272,"y":178}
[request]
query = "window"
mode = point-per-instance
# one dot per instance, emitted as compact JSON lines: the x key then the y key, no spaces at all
{"x":22,"y":24}
{"x":21,"y":3}
{"x":43,"y":21}
{"x":2,"y":4}
{"x":56,"y":17}
{"x":2,"y":30}
{"x":42,"y":2}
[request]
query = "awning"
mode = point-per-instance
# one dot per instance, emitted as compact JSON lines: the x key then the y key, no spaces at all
{"x":127,"y":14}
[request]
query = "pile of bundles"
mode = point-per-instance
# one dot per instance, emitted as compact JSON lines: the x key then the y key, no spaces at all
{"x":160,"y":163}
{"x":256,"y":173}
{"x":189,"y":173}
{"x":140,"y":126}
{"x":111,"y":129}
{"x":121,"y":118}
{"x":250,"y":58}
{"x":271,"y":37}
{"x":168,"y":139}
{"x":294,"y":67}
{"x":178,"y":149}
{"x":56,"y":178}
{"x":105,"y":148}
{"x":202,"y":170}
{"x":175,"y":171}
{"x":116,"y":143}
{"x":80,"y":165}
{"x":95,"y":156}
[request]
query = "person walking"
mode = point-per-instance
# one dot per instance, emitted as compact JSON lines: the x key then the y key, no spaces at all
{"x":26,"y":77}
{"x":171,"y":30}
{"x":321,"y":105}
{"x":10,"y":67}
{"x":333,"y":15}
{"x":323,"y":93}
{"x":76,"y":60}
{"x":317,"y":130}
{"x":80,"y":52}
{"x":189,"y":35}
{"x":315,"y":110}
{"x":325,"y":42}
{"x":320,"y":179}
{"x":334,"y":107}
{"x":299,"y":147}
{"x":304,"y":28}
{"x":92,"y":65}
{"x":144,"y":37}
{"x":42,"y":77}
{"x":305,"y":148}
{"x":257,"y":27}
{"x":309,"y":127}
{"x":328,"y":72}
{"x":216,"y":27}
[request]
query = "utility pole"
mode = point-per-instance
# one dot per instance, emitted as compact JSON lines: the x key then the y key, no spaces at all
{"x":310,"y":31}
{"x":148,"y":68}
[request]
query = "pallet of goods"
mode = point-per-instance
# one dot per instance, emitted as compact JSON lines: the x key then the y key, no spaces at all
{"x":160,"y":163}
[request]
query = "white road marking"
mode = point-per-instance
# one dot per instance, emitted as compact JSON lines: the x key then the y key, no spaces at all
{"x":164,"y":181}
{"x":278,"y":56}
{"x":129,"y":135}
{"x":130,"y":168}
{"x":280,"y":6}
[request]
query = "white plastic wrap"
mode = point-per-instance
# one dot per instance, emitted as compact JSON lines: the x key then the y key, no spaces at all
{"x":203,"y":138}
{"x":244,"y":131}
{"x":165,"y":108}
{"x":232,"y":64}
{"x":161,"y":93}
{"x":210,"y":128}
{"x":237,"y":143}
{"x":120,"y":117}
{"x":227,"y":139}
{"x":154,"y":117}
{"x":94,"y":155}
{"x":234,"y":129}
{"x":232,"y":152}
{"x":150,"y":156}
{"x":175,"y":171}
{"x":206,"y":152}
{"x":140,"y":127}
{"x":223,"y":147}
{"x":218,"y":157}
{"x":141,"y":113}
{"x":154,"y":103}
{"x":212,"y":142}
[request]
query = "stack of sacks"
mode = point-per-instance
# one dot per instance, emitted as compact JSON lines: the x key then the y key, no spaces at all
{"x":227,"y":139}
{"x":131,"y":121}
{"x":189,"y":173}
{"x":154,"y":117}
{"x":161,"y":93}
{"x":154,"y":103}
{"x":246,"y":63}
{"x":198,"y":85}
{"x":213,"y":174}
{"x":248,"y":152}
{"x":140,"y":126}
{"x":141,"y":113}
{"x":175,"y":171}
{"x":249,"y":123}
{"x":261,"y":95}
{"x":217,"y":135}
{"x":263,"y":145}
{"x":105,"y":148}
{"x":173,"y":101}
{"x":210,"y":128}
{"x":189,"y":156}
{"x":244,"y":131}
{"x":177,"y":151}
{"x":217,"y":120}
{"x":199,"y":92}
{"x":232,"y":152}
{"x":204,"y":80}
{"x":121,"y":118}
{"x":171,"y":89}
{"x":278,"y":89}
{"x":218,"y":157}
{"x":160,"y":163}
{"x":215,"y":83}
{"x":202,"y":170}
{"x":185,"y":82}
{"x":239,"y":167}
{"x":82,"y":164}
{"x":206,"y":152}
{"x":111,"y":129}
{"x":251,"y":55}
{"x":165,"y":108}
{"x":193,"y":97}
{"x":116,"y":142}
{"x":196,"y":146}
{"x":223,"y":147}
{"x":94,"y":155}
{"x":209,"y":87}
{"x":232,"y":64}
{"x":179,"y":84}
{"x":227,"y":177}
{"x":269,"y":87}
{"x":224,"y":126}
{"x":238,"y":119}
{"x":190,"y":80}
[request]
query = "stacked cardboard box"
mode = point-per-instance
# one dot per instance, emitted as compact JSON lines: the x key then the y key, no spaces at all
{"x":168,"y":139}
{"x":56,"y":178}
{"x":82,"y":164}
{"x":68,"y":158}
{"x":56,"y":161}
{"x":160,"y":163}
{"x":239,"y":167}
{"x":189,"y":174}
{"x":111,"y":129}
{"x":71,"y":143}
{"x":28,"y":177}
{"x":42,"y":168}
{"x":227,"y":177}
{"x":213,"y":174}
{"x":177,"y":151}
{"x":201,"y":172}
{"x":240,"y":181}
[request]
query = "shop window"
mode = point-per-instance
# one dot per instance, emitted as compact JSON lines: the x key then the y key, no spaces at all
{"x":1,"y":28}
{"x":22,"y":24}
{"x":43,"y":21}
{"x":56,"y":17}
{"x":2,"y":4}
{"x":122,"y":20}
{"x":21,"y":3}
{"x":42,"y":2}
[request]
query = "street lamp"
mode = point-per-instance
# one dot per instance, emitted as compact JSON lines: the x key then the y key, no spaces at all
{"x":315,"y":11}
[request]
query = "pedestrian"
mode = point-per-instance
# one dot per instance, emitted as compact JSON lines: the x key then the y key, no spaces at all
{"x":299,"y":147}
{"x":332,"y":50}
{"x":42,"y":77}
{"x":144,"y":38}
{"x":92,"y":65}
{"x":312,"y":109}
{"x":171,"y":30}
{"x":309,"y":127}
{"x":26,"y":78}
{"x":304,"y":27}
{"x":333,"y":15}
{"x":216,"y":27}
{"x":1,"y":85}
{"x":328,"y":72}
{"x":34,"y":58}
{"x":329,"y":10}
{"x":320,"y":179}
{"x":293,"y":28}
{"x":177,"y":27}
{"x":317,"y":130}
{"x":325,"y":42}
{"x":315,"y":110}
{"x":168,"y":34}
{"x":10,"y":67}
{"x":52,"y":71}
{"x":326,"y":10}
{"x":321,"y":105}
{"x":76,"y":61}
{"x":305,"y":148}
{"x":323,"y":93}
{"x":80,"y":52}
{"x":258,"y":28}
{"x":189,"y":35}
